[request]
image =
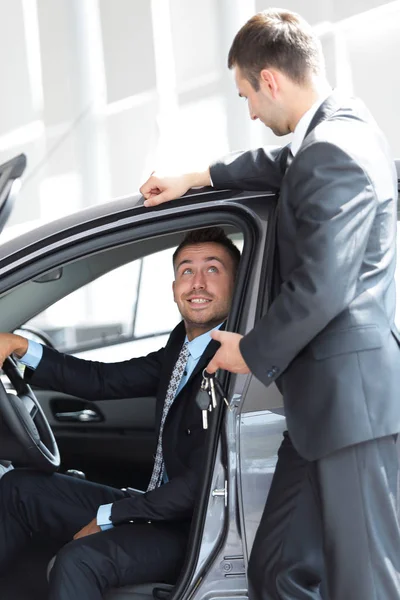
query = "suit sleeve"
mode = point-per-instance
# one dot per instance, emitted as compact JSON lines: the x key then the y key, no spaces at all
{"x":95,"y":380}
{"x":261,"y":169}
{"x":334,"y":205}
{"x":172,"y":501}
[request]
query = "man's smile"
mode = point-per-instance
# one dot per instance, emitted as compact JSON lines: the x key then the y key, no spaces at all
{"x":198,"y":300}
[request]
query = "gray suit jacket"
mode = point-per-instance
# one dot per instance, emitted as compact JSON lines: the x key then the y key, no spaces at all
{"x":329,"y":333}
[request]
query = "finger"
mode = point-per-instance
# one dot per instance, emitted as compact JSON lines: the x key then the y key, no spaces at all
{"x":217,"y":335}
{"x":157,"y":199}
{"x":152,"y":192}
{"x":148,"y":185}
{"x":212,"y":366}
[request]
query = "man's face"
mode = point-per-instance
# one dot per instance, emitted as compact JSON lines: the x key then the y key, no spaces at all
{"x":263,"y":104}
{"x":203,"y":286}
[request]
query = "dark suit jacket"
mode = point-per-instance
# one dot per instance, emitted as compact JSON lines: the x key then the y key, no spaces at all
{"x":183,"y":435}
{"x":329,"y":333}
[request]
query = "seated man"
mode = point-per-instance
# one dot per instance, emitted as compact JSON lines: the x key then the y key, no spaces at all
{"x":112,"y":538}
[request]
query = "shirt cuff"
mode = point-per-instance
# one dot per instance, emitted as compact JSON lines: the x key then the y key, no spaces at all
{"x":211,"y":181}
{"x":104,"y":517}
{"x":33,"y":355}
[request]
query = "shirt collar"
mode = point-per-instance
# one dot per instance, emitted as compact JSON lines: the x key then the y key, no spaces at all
{"x":200,"y":343}
{"x":301,"y":128}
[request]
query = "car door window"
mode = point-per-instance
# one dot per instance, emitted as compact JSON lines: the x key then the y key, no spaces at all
{"x":124,"y":313}
{"x":156,"y":309}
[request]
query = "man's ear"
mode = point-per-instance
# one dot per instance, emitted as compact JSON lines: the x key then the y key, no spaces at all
{"x":173,"y":290}
{"x":269,"y":81}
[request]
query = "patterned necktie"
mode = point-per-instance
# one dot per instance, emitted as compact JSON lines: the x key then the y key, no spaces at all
{"x":176,"y":377}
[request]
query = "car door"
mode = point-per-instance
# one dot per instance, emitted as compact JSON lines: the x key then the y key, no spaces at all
{"x":112,"y":441}
{"x":85,"y":246}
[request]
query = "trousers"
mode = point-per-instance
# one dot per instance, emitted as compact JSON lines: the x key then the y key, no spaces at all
{"x":58,"y":506}
{"x":330,"y":527}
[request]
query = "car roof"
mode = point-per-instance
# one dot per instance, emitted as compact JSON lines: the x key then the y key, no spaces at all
{"x":115,"y":210}
{"x":121,"y":208}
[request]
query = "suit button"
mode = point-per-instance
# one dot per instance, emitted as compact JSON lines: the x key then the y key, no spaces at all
{"x":273,"y":371}
{"x":188,"y":432}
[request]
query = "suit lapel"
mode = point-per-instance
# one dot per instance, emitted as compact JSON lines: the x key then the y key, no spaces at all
{"x":186,"y":391}
{"x":171,"y":353}
{"x":325,"y":111}
{"x":204,"y":359}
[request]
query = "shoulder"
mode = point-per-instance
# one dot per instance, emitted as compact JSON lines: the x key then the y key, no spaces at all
{"x":350,"y":135}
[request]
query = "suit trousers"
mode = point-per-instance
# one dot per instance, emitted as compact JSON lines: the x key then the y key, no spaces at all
{"x":58,"y":506}
{"x":333,"y":521}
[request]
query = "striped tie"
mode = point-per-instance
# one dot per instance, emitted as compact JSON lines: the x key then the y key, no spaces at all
{"x":158,"y":469}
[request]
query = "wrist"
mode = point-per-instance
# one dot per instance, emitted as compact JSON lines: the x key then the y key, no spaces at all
{"x":200,"y":178}
{"x":19,"y":345}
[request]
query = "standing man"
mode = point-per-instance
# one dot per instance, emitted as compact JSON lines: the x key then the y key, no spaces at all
{"x":112,"y":538}
{"x":329,"y":336}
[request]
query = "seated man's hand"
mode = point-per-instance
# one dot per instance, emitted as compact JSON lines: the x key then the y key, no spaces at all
{"x":92,"y":527}
{"x":157,"y":190}
{"x":10,"y":343}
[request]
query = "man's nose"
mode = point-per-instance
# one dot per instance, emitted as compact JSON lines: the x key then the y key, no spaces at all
{"x":199,"y":281}
{"x":253,"y":117}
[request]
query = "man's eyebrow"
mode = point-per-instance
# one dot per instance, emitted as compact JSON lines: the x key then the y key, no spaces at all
{"x":184,"y":262}
{"x":208,"y":259}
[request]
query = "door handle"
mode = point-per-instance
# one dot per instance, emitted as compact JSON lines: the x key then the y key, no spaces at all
{"x":87,"y":415}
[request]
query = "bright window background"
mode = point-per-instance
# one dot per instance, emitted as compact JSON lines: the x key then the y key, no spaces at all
{"x":99,"y":93}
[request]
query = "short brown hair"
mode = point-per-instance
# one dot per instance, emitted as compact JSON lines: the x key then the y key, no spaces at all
{"x":276,"y":38}
{"x":215,"y":235}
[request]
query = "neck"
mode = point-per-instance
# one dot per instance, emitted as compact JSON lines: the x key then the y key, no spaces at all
{"x":193,"y":330}
{"x":303,"y":97}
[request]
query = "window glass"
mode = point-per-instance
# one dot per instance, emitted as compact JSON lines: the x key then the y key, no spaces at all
{"x":156,"y":310}
{"x":125,"y":313}
{"x":94,"y":315}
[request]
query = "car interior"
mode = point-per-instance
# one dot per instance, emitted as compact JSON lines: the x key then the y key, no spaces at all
{"x":110,"y":442}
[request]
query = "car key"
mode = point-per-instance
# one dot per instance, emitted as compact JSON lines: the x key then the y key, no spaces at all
{"x":212,"y":392}
{"x":214,"y":386}
{"x":203,"y":401}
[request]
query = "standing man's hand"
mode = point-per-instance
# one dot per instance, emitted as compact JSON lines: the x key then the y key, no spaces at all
{"x":228,"y":356}
{"x":89,"y":529}
{"x":11,"y":343}
{"x":157,"y":190}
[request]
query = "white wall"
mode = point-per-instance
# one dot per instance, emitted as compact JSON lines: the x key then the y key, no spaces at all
{"x":98,"y":93}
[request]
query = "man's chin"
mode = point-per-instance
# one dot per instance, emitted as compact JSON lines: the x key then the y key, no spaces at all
{"x":206,"y":321}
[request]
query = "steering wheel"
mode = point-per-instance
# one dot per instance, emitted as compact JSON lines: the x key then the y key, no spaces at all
{"x":32,"y":442}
